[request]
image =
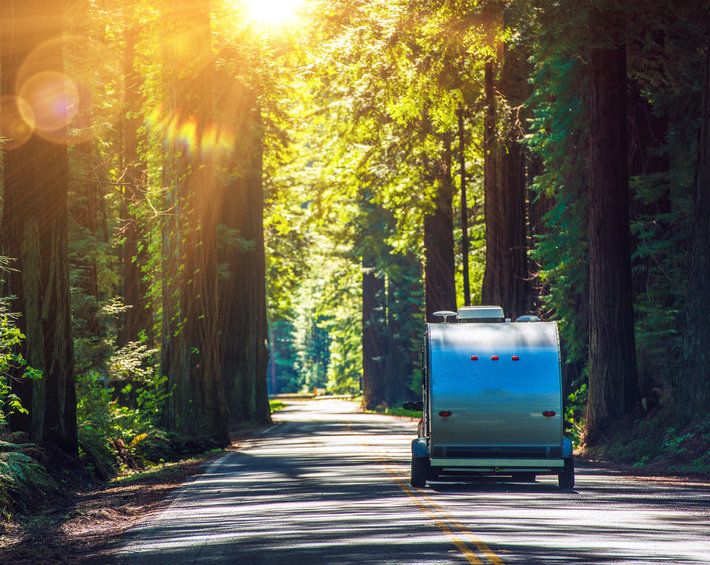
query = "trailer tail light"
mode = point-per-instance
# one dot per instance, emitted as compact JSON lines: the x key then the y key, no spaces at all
{"x":474,"y":357}
{"x":494,"y":358}
{"x":515,"y":358}
{"x":445,"y":413}
{"x":549,"y":413}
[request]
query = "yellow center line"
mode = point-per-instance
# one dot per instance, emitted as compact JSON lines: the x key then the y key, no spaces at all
{"x":481,"y":545}
{"x":443,"y":526}
{"x":431,"y":510}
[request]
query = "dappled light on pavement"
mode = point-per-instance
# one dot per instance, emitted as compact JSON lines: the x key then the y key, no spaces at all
{"x":326,"y":484}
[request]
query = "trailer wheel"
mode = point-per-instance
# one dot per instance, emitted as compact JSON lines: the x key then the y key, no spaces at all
{"x":421,"y":467}
{"x":566,"y":477}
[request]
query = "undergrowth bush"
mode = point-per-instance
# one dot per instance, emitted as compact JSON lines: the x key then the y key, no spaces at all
{"x":657,"y":444}
{"x":23,"y":480}
{"x":118,"y":413}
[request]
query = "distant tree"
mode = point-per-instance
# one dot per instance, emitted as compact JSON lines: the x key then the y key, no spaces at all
{"x":34,"y":229}
{"x":439,"y":265}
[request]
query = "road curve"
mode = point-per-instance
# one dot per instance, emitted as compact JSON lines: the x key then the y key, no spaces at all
{"x":327,"y":484}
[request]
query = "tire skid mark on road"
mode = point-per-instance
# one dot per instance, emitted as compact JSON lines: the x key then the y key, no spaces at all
{"x":443,"y":520}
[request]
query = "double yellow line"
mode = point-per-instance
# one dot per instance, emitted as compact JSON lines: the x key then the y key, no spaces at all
{"x":457,"y":532}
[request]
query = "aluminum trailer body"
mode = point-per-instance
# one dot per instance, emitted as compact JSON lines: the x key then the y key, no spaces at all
{"x":492,"y":402}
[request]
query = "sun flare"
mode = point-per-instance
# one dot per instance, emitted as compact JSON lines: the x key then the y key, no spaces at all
{"x":272,"y":13}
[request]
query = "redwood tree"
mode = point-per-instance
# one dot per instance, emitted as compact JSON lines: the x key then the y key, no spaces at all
{"x":34,"y":232}
{"x":197,"y":405}
{"x":613,"y":389}
{"x":505,"y":280}
{"x":694,"y":381}
{"x":242,"y":291}
{"x":439,"y":270}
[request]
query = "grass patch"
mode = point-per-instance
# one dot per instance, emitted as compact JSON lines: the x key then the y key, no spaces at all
{"x":395,"y":411}
{"x":161,"y":470}
{"x":399,"y":411}
{"x":276,"y":405}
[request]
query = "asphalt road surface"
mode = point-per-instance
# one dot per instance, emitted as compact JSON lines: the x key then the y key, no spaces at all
{"x":328,"y":485}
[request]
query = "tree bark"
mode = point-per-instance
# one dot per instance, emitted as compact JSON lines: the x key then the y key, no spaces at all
{"x":506,"y":276}
{"x":34,"y":232}
{"x":464,"y":210}
{"x":373,"y":336}
{"x":694,"y":383}
{"x":493,"y":207}
{"x":243,"y":324}
{"x":403,"y":332}
{"x":197,"y":407}
{"x":613,"y":389}
{"x":439,"y":270}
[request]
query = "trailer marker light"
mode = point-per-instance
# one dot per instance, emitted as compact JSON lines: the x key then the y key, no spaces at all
{"x":549,"y":413}
{"x":495,"y":358}
{"x":474,"y":357}
{"x":515,"y":358}
{"x":445,"y":413}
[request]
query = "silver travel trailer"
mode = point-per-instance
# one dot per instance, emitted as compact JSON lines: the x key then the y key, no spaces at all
{"x":492,"y":399}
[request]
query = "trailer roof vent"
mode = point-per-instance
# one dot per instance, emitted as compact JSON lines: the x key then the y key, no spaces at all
{"x":445,"y":314}
{"x":528,"y":318}
{"x":487,"y":314}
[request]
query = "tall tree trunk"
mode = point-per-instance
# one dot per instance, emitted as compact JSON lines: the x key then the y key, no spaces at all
{"x":34,"y":231}
{"x":198,"y":406}
{"x":694,"y":382}
{"x":491,"y":291}
{"x":505,"y":280}
{"x":403,"y":332}
{"x":439,"y":270}
{"x":373,"y":336}
{"x":464,"y":209}
{"x":133,"y":254}
{"x":613,"y":389}
{"x":243,"y":325}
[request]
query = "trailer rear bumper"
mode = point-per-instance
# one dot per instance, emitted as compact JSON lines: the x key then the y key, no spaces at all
{"x":500,"y":465}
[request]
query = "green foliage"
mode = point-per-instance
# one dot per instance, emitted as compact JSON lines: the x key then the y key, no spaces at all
{"x":575,"y":408}
{"x":276,"y":405}
{"x":656,"y":445}
{"x":12,"y":365}
{"x":119,"y":413}
{"x":23,"y":480}
{"x":398,"y":411}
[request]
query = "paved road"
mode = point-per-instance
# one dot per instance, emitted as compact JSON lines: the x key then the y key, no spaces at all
{"x":327,"y":485}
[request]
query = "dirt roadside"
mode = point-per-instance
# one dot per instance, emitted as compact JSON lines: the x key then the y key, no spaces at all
{"x":86,"y":525}
{"x":89,"y":522}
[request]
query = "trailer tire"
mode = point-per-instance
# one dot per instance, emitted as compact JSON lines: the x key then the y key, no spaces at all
{"x":566,"y":477}
{"x":421,"y":467}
